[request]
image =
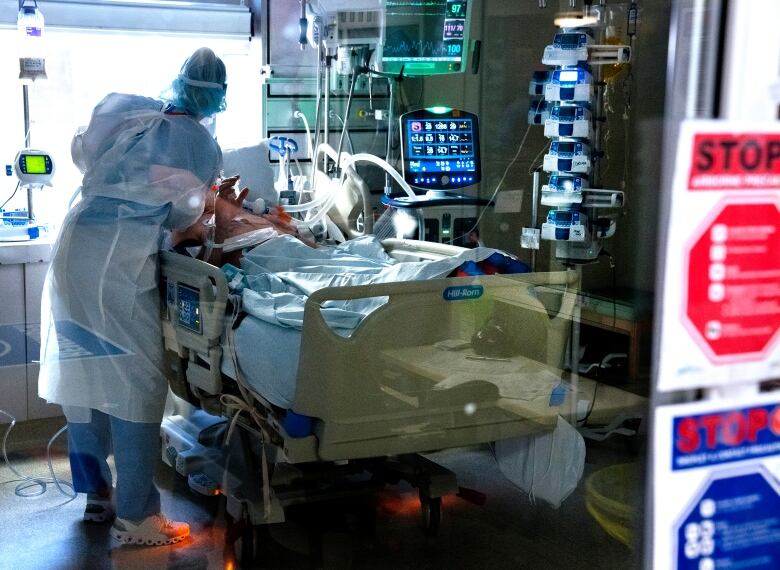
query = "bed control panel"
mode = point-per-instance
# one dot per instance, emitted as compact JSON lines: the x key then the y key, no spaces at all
{"x":188,"y":308}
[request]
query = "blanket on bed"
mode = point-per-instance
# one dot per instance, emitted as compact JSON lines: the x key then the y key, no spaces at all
{"x":276,"y":278}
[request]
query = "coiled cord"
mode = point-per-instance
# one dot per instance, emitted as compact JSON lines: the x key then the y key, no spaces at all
{"x":41,"y":483}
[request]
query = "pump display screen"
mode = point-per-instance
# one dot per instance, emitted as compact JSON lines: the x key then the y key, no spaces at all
{"x":565,"y":148}
{"x":567,"y":113}
{"x":561,"y":216}
{"x":425,"y":37}
{"x":33,"y":167}
{"x":566,"y":184}
{"x":35,"y":164}
{"x":568,"y":76}
{"x":568,"y":41}
{"x":441,"y":148}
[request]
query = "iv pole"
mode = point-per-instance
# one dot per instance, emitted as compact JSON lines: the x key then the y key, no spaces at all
{"x":26,"y":105}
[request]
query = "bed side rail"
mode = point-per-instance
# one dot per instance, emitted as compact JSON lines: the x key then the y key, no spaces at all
{"x":404,"y":249}
{"x":193,"y":318}
{"x":394,"y":376}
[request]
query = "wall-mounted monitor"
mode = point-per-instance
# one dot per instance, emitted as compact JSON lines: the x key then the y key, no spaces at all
{"x":425,"y":37}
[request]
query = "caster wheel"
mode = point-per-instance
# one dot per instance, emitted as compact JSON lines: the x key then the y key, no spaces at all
{"x":431,"y":514}
{"x":247,"y":546}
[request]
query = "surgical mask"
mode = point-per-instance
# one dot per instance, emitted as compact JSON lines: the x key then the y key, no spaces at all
{"x":210,"y":124}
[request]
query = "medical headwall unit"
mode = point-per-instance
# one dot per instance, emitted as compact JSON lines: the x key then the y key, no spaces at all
{"x":306,"y":48}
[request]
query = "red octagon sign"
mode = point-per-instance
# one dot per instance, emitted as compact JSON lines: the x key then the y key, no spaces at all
{"x":733,"y":285}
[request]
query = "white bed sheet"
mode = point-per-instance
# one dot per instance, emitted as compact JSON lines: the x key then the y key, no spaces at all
{"x":267,"y":357}
{"x":278,"y":277}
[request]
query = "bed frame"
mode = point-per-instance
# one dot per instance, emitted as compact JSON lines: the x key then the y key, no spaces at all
{"x":379,"y":395}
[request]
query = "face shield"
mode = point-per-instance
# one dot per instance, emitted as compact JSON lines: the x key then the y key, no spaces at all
{"x":210,"y":124}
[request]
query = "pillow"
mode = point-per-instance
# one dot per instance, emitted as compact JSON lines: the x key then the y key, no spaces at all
{"x":254,"y":167}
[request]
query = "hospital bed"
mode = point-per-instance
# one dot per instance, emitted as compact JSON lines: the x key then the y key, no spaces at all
{"x":404,"y":382}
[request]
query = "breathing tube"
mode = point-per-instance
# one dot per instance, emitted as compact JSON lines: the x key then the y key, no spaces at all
{"x":329,"y":198}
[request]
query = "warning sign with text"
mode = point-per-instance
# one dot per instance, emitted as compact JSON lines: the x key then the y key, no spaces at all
{"x":721,"y":309}
{"x":735,"y":161}
{"x":716,"y":482}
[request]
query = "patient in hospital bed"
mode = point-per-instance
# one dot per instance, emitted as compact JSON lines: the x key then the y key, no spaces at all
{"x":224,"y":208}
{"x":275,"y":278}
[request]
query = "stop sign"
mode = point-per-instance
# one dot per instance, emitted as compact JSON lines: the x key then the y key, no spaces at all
{"x":732,"y":308}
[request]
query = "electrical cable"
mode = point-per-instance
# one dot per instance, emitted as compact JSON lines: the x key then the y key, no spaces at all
{"x":500,"y":182}
{"x":345,"y":120}
{"x":389,"y":143}
{"x":343,"y":125}
{"x":613,"y":266}
{"x":11,"y":197}
{"x":247,"y":403}
{"x":42,"y":483}
{"x":540,"y":153}
{"x":584,"y":421}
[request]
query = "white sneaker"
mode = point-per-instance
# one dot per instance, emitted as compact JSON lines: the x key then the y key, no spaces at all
{"x":155,"y":530}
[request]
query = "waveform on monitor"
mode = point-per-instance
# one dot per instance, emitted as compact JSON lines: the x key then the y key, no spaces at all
{"x":415,"y":3}
{"x":416,"y":8}
{"x":427,"y":47}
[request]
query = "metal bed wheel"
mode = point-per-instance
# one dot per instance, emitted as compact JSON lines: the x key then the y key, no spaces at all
{"x":250,"y":540}
{"x":430,"y":508}
{"x":246,"y":547}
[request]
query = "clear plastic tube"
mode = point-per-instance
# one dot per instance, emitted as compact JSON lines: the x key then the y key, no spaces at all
{"x":302,"y":117}
{"x":74,"y":198}
{"x":324,"y":196}
{"x":319,"y":216}
{"x":40,"y":484}
{"x":327,"y":198}
{"x":349,"y":161}
{"x":305,"y":207}
{"x":248,"y":239}
{"x":384,"y":165}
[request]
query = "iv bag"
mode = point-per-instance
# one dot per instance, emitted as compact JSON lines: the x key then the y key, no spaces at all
{"x":30,"y":27}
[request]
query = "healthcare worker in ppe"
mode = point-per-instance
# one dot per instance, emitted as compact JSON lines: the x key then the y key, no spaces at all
{"x":148,"y":166}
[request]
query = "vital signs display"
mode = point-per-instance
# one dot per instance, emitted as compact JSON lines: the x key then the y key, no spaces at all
{"x":440,"y":148}
{"x":425,"y":37}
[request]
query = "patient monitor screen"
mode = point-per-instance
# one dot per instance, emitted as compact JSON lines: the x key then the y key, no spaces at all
{"x":440,"y":148}
{"x":425,"y":37}
{"x":35,"y":164}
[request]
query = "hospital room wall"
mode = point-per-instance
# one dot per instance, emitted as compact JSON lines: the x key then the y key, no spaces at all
{"x":513,"y":36}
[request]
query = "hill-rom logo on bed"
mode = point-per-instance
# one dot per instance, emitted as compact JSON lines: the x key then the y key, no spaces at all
{"x":20,"y":344}
{"x":463,"y":292}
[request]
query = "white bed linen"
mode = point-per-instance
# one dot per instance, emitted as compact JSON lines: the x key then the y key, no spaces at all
{"x":270,"y":373}
{"x":280,"y":274}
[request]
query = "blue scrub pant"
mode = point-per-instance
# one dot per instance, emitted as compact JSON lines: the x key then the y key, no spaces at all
{"x":136,"y":453}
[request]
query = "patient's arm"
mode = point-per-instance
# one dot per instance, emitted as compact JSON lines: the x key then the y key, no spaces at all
{"x":230,"y":220}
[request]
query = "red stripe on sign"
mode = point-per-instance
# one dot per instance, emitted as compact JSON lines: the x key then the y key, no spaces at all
{"x":728,"y":161}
